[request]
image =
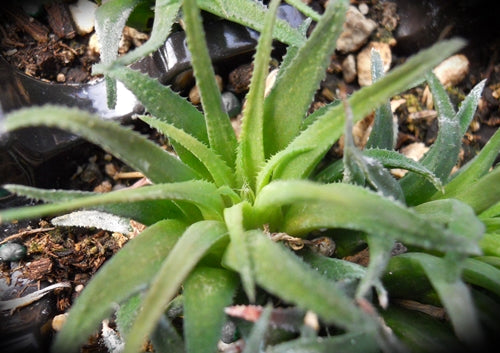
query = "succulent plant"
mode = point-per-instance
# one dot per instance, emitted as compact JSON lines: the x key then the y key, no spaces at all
{"x":218,"y":206}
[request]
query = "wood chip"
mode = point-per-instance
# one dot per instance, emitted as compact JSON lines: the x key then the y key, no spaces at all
{"x":28,"y":24}
{"x":60,"y":20}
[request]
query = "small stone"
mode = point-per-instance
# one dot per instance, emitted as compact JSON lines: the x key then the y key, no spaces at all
{"x":453,"y":70}
{"x":110,"y":169}
{"x":363,"y":8}
{"x":311,"y":320}
{"x":270,"y":79}
{"x":83,"y":12}
{"x":93,"y":47}
{"x":231,"y":104}
{"x":364,"y":61}
{"x":58,"y":321}
{"x":390,"y":18}
{"x":357,"y":29}
{"x":103,"y":187}
{"x":239,"y":78}
{"x":194,"y":93}
{"x":60,"y":77}
{"x":396,"y":103}
{"x":349,"y":68}
{"x":12,"y":252}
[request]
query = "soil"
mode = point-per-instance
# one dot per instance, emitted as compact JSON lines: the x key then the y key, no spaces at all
{"x":74,"y":254}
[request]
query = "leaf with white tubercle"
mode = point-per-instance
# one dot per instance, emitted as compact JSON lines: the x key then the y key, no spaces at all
{"x":250,"y":153}
{"x":220,"y":173}
{"x":443,"y":154}
{"x":314,"y":206}
{"x":146,"y":212}
{"x":202,"y":194}
{"x":389,"y":159}
{"x":288,"y":102}
{"x":134,"y":149}
{"x":221,"y":136}
{"x":250,"y":14}
{"x":325,"y":130}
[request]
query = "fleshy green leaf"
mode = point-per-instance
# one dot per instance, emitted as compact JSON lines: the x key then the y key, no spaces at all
{"x":456,"y":216}
{"x":237,"y":254}
{"x":393,"y":159}
{"x":146,"y":212}
{"x":251,"y":14}
{"x":280,"y":272}
{"x":420,"y":332}
{"x":255,"y":341}
{"x":165,"y":338}
{"x":306,"y":10}
{"x":365,"y":171}
{"x":250,"y":155}
{"x":482,"y":274}
{"x":348,"y":343}
{"x":490,"y":244}
{"x":146,"y":252}
{"x":334,"y":269}
{"x":166,"y":12}
{"x":473,"y":170}
{"x":207,"y":291}
{"x":162,"y":102}
{"x":482,"y":194}
{"x":383,"y":132}
{"x":135,"y":150}
{"x":443,"y":154}
{"x":315,"y":206}
{"x":200,"y":193}
{"x":220,"y":173}
{"x":389,"y":159}
{"x":273,"y":167}
{"x":453,"y":293}
{"x":469,"y":105}
{"x":190,"y":248}
{"x":325,"y":129}
{"x":110,"y":19}
{"x":380,"y":254}
{"x":126,"y":313}
{"x":289,"y":100}
{"x":221,"y":135}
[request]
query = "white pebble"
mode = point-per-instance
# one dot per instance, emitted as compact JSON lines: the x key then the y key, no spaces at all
{"x":83,"y":12}
{"x":364,"y":62}
{"x":349,"y":68}
{"x":58,"y":321}
{"x":363,"y":8}
{"x":357,"y":29}
{"x":452,"y":70}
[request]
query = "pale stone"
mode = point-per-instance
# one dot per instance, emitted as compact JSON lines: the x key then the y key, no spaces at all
{"x":194,"y":93}
{"x":270,"y":80}
{"x":363,"y":8}
{"x":450,"y":72}
{"x":349,"y":68}
{"x":396,"y":103}
{"x":58,"y":322}
{"x":357,"y":29}
{"x":453,"y":70}
{"x":93,"y":47}
{"x":83,"y":13}
{"x":364,"y":61}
